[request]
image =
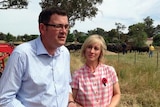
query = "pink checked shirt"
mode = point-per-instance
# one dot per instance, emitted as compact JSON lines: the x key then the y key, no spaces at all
{"x":91,"y":91}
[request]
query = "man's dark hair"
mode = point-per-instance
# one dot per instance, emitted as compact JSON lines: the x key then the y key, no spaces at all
{"x":45,"y":15}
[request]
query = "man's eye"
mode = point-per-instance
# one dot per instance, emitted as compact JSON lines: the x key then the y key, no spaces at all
{"x":58,"y":26}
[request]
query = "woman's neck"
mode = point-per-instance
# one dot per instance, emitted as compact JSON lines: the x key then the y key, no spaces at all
{"x":92,"y":65}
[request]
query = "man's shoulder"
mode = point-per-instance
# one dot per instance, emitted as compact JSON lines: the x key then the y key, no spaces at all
{"x":63,"y":48}
{"x":25,"y":47}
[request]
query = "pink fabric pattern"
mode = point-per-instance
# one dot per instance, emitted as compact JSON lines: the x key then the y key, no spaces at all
{"x":91,"y":89}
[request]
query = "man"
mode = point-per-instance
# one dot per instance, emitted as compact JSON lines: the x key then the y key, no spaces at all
{"x":37,"y":73}
{"x":151,"y":49}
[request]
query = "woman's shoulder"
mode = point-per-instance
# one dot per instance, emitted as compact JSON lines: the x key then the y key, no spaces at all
{"x":80,"y":71}
{"x":107,"y":68}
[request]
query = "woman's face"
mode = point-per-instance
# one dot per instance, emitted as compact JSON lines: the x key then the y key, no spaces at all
{"x":92,"y":52}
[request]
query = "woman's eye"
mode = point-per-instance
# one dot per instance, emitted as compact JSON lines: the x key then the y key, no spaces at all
{"x":89,"y":47}
{"x":96,"y":48}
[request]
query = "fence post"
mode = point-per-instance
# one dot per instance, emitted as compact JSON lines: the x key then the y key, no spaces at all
{"x":157,"y":59}
{"x":135,"y":58}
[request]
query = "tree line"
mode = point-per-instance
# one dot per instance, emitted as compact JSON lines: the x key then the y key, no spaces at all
{"x":137,"y":34}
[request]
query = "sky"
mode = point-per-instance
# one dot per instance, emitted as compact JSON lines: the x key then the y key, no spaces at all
{"x":127,"y":12}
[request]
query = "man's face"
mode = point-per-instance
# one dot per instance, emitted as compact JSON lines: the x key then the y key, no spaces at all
{"x":55,"y":32}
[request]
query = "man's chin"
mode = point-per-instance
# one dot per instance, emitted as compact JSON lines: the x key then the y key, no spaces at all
{"x":61,"y":43}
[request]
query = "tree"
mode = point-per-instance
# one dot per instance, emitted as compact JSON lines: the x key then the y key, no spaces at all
{"x":2,"y":36}
{"x":137,"y":34}
{"x":112,"y":36}
{"x":81,"y":39}
{"x":156,"y":40}
{"x":119,"y":27}
{"x":157,"y":30}
{"x":13,"y":4}
{"x":9,"y":38}
{"x":101,"y":32}
{"x":136,"y":28}
{"x":70,"y":38}
{"x":77,"y":9}
{"x":98,"y":31}
{"x":149,"y":28}
{"x":33,"y":36}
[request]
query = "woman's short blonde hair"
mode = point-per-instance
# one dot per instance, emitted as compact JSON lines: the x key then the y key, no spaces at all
{"x":92,"y":39}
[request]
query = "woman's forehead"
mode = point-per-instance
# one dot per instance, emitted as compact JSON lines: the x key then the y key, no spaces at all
{"x":94,"y":44}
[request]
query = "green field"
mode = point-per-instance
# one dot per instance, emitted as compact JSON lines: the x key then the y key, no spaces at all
{"x":139,"y":77}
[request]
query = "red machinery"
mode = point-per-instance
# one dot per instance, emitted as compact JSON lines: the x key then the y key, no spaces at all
{"x":5,"y":50}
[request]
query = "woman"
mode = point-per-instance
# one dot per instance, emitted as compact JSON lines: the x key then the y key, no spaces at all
{"x":95,"y":84}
